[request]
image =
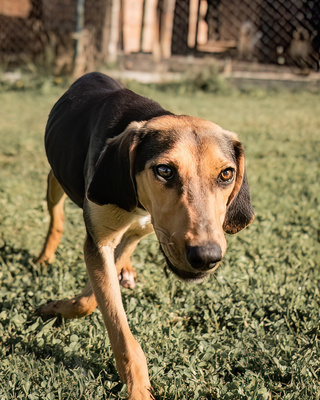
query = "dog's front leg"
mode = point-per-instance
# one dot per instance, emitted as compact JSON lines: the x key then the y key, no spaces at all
{"x":130,"y":359}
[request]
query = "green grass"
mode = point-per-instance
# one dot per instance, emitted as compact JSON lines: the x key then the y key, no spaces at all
{"x":251,"y":331}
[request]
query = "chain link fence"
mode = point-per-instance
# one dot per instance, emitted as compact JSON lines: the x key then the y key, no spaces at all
{"x":78,"y":34}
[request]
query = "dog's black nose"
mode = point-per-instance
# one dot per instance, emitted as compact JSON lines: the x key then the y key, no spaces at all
{"x":203,"y":258}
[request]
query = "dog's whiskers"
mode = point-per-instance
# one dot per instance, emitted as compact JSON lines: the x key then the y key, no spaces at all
{"x":168,"y":246}
{"x":166,"y":243}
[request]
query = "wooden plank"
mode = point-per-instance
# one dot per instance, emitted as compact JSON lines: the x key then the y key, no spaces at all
{"x":132,"y":23}
{"x":15,"y":8}
{"x":167,"y":27}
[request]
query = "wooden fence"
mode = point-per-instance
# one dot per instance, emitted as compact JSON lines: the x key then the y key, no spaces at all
{"x":78,"y":34}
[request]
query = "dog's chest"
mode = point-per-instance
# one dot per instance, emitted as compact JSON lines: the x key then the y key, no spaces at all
{"x":143,"y":218}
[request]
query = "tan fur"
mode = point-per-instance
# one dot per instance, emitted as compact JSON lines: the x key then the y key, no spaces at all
{"x":180,"y":220}
{"x":126,"y":247}
{"x":99,"y":256}
{"x":55,"y":202}
{"x":79,"y":306}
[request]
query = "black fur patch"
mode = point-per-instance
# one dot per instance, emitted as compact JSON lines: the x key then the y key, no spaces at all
{"x":93,"y":110}
{"x":151,"y":145}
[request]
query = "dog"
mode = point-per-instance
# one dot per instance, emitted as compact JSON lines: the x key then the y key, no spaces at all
{"x":135,"y":168}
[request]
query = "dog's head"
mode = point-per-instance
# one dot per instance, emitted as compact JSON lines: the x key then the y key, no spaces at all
{"x":189,"y":174}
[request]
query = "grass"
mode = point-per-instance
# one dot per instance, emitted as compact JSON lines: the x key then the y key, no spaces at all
{"x":251,"y":331}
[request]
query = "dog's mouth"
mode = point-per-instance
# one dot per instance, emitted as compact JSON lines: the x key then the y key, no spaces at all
{"x":187,"y":276}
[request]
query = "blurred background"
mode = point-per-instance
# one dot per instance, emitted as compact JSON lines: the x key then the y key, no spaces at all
{"x":161,"y":36}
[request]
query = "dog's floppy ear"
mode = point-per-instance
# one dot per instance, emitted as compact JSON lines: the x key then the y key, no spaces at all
{"x":239,"y":210}
{"x":113,"y":180}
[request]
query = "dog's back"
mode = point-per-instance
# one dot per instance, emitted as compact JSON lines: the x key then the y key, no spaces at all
{"x":94,"y":109}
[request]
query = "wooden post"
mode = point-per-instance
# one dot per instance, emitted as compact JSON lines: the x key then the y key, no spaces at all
{"x":202,"y":31}
{"x":194,"y":5}
{"x":149,"y":22}
{"x":132,"y":23}
{"x":16,"y":8}
{"x":111,"y":30}
{"x":167,"y":27}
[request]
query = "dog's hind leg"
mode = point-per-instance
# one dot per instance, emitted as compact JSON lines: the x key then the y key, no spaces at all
{"x":84,"y":303}
{"x":125,"y":249}
{"x":77,"y":307}
{"x":55,"y":201}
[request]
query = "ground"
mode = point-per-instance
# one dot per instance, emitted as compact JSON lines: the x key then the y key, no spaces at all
{"x":251,"y":331}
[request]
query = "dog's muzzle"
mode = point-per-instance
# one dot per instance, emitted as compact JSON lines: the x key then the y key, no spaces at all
{"x":201,"y":260}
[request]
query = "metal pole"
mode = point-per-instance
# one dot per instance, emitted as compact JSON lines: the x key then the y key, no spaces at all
{"x":79,"y":24}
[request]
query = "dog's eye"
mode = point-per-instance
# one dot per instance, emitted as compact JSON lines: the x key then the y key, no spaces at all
{"x":164,"y":171}
{"x":227,"y":175}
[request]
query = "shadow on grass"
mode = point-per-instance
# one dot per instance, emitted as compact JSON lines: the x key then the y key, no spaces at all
{"x":10,"y":254}
{"x":17,"y":263}
{"x":103,"y":370}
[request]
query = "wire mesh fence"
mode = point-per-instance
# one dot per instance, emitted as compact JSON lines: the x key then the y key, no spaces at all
{"x":78,"y":34}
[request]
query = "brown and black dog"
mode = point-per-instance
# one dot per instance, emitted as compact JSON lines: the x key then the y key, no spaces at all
{"x":135,"y":168}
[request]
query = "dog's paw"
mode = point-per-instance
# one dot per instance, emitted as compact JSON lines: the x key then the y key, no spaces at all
{"x":127,"y":279}
{"x":141,"y":394}
{"x":46,"y":313}
{"x":44,"y":260}
{"x":48,"y":310}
